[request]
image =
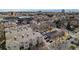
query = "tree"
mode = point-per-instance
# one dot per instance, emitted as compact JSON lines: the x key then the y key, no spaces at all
{"x":63,"y":11}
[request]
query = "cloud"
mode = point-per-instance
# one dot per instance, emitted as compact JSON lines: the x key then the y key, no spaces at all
{"x":38,"y":4}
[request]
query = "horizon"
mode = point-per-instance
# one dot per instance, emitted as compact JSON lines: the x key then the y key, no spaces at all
{"x":36,"y":10}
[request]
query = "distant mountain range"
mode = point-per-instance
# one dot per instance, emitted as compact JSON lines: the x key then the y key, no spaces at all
{"x":36,"y":10}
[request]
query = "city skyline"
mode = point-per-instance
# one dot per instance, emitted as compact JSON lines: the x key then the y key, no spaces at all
{"x":36,"y":10}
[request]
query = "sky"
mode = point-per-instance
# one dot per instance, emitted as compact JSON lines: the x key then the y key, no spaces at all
{"x":39,"y":4}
